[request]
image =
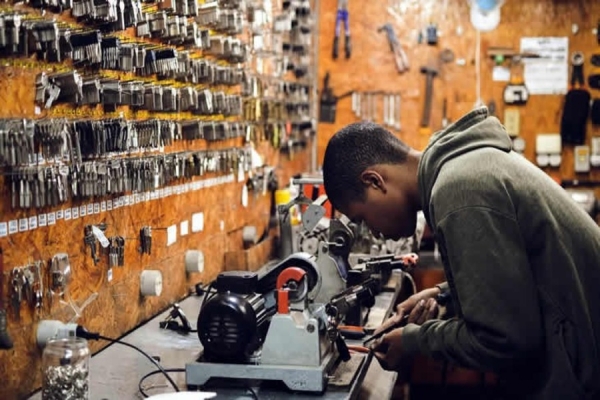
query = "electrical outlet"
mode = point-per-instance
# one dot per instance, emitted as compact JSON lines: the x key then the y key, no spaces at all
{"x":512,"y":122}
{"x":581,"y":156}
{"x":595,"y":155}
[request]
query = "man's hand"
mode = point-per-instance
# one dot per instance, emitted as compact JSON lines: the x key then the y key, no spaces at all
{"x":388,"y":350}
{"x":421,"y":306}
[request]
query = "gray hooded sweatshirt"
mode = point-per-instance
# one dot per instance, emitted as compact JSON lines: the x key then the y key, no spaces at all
{"x":522,"y":262}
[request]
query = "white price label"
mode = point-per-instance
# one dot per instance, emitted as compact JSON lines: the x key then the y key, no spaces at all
{"x":109,"y":205}
{"x":42,"y":220}
{"x":32,"y":223}
{"x":82,"y":211}
{"x":67,"y":214}
{"x":51,"y":218}
{"x":3,"y":229}
{"x":59,"y":214}
{"x":75,"y":212}
{"x":96,"y":208}
{"x":13,"y":226}
{"x":103,"y":206}
{"x":23,"y":225}
{"x":90,"y":209}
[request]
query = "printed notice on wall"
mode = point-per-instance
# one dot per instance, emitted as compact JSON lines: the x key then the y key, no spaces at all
{"x":548,"y":72}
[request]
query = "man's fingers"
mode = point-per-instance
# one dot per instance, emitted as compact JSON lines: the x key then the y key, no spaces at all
{"x":429,"y":305}
{"x":382,"y":360}
{"x":433,"y":310}
{"x":390,"y":321}
{"x":407,"y":305}
{"x":415,"y":314}
{"x":380,"y":345}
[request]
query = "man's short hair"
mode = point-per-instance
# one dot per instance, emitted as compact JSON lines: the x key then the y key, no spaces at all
{"x":350,"y":152}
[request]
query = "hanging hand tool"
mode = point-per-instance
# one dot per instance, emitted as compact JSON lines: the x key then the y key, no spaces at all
{"x":328,"y":102}
{"x":445,"y":121}
{"x":400,"y":57}
{"x":576,"y":109}
{"x":6,"y":342}
{"x":432,"y":35}
{"x":430,"y":71}
{"x":342,"y":16}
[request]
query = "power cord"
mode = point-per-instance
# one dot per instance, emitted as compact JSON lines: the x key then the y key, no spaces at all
{"x":155,"y":372}
{"x":85,"y":334}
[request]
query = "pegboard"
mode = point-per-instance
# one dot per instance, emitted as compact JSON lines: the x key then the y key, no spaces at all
{"x":270,"y":108}
{"x":371,"y":67}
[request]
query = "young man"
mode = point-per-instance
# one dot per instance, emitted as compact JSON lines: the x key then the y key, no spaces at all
{"x":522,"y":260}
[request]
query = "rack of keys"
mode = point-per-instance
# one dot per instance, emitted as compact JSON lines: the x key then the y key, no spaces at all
{"x":146,"y":240}
{"x":89,"y":238}
{"x":116,"y":251}
{"x":27,"y":284}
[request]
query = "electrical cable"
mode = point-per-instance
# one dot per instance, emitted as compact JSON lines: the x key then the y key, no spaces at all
{"x":85,"y":334}
{"x":253,"y":393}
{"x":155,"y":372}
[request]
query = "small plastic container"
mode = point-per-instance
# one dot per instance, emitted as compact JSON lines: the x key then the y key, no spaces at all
{"x":66,"y":369}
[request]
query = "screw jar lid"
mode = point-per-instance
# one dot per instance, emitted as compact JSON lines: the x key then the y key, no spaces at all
{"x":67,"y":350}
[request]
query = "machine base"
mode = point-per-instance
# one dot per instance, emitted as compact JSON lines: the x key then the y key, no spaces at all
{"x":295,"y":377}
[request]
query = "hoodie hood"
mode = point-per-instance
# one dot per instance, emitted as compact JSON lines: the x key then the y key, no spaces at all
{"x":474,"y":131}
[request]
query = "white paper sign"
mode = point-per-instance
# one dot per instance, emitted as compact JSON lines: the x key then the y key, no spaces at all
{"x":548,"y":74}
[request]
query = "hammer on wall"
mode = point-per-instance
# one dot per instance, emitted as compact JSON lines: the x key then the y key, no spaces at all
{"x":431,"y":71}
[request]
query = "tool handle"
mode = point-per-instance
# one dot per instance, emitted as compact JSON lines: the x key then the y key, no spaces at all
{"x":428,"y":99}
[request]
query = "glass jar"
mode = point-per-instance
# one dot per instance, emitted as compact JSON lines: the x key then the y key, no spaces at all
{"x":65,"y":368}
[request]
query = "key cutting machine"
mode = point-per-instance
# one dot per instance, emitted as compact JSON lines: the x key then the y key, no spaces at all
{"x":261,"y":326}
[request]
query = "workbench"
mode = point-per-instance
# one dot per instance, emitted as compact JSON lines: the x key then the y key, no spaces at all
{"x":116,"y":370}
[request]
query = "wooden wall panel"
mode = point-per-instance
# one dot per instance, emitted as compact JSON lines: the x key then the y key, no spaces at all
{"x":119,"y":306}
{"x":372,"y":68}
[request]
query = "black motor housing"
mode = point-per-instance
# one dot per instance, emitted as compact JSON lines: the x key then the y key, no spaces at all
{"x":233,"y":324}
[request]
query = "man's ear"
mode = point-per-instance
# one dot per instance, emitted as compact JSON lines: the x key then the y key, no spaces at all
{"x":373,"y":179}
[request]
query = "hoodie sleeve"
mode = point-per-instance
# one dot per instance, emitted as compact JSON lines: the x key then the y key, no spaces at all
{"x":490,"y":279}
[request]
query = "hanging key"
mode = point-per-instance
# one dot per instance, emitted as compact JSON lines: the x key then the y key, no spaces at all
{"x":90,"y":240}
{"x":28,"y":282}
{"x":17,"y":291}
